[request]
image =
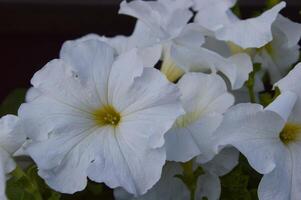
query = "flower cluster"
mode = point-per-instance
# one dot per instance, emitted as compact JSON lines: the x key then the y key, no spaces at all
{"x":165,"y":112}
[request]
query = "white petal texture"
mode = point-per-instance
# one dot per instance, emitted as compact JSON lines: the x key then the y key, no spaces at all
{"x":168,"y":188}
{"x":149,"y":52}
{"x":11,"y":139}
{"x":99,"y":116}
{"x":204,"y":98}
{"x":209,"y":184}
{"x":283,"y":51}
{"x":249,"y":33}
{"x":172,"y":188}
{"x":291,"y":82}
{"x":165,"y":21}
{"x":283,"y":183}
{"x":270,"y":141}
{"x":254,"y":132}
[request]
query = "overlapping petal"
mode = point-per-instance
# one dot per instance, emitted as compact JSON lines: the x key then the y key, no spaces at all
{"x":248,"y":33}
{"x":204,"y":98}
{"x":254,"y":132}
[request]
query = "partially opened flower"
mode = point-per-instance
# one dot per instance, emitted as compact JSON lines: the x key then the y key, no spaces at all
{"x":217,"y":17}
{"x":11,"y":139}
{"x":173,"y":188}
{"x":205,"y":98}
{"x":270,"y":138}
{"x":99,"y":116}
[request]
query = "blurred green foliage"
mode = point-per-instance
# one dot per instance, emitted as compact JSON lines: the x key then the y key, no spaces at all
{"x":12,"y":102}
{"x":241,"y":183}
{"x":271,"y":3}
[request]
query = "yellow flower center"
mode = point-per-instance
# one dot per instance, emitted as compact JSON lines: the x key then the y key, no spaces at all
{"x":107,"y":116}
{"x":187,"y":119}
{"x":290,"y":133}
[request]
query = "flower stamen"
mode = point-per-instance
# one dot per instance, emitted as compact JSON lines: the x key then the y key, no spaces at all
{"x":107,"y":116}
{"x":290,"y":133}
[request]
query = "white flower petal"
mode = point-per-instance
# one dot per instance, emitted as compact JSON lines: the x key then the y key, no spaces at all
{"x":251,"y":33}
{"x":164,"y":19}
{"x":214,"y":13}
{"x":182,"y":144}
{"x":244,"y":66}
{"x":190,"y":36}
{"x":254,"y":132}
{"x":149,"y":13}
{"x":283,"y":104}
{"x":31,"y":94}
{"x":67,"y":169}
{"x":223,"y":162}
{"x":291,"y":83}
{"x":277,"y":184}
{"x":7,"y":165}
{"x":11,"y":139}
{"x":155,"y":103}
{"x":235,"y":68}
{"x":295,"y":150}
{"x":283,"y":51}
{"x":292,"y":30}
{"x":200,"y":91}
{"x":44,"y":114}
{"x":132,"y":164}
{"x":208,"y":186}
{"x":141,"y":39}
{"x":204,"y":98}
{"x":83,"y":60}
{"x":12,"y":135}
{"x":169,"y":187}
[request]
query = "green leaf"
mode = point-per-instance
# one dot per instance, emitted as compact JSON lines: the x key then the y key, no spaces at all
{"x":268,"y":97}
{"x":29,"y":186}
{"x":241,"y":183}
{"x":93,"y":191}
{"x":12,"y":102}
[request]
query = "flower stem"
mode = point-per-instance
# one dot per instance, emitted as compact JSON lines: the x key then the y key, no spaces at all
{"x":190,"y":177}
{"x":251,"y":83}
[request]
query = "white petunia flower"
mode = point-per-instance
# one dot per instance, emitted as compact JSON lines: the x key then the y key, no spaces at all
{"x":205,"y":98}
{"x":99,"y":116}
{"x":216,"y":16}
{"x":11,"y":139}
{"x":283,"y":51}
{"x":181,"y":41}
{"x":270,"y":138}
{"x":164,"y":22}
{"x":171,"y":187}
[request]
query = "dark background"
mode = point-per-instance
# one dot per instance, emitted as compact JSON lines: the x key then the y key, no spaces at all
{"x":32,"y":31}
